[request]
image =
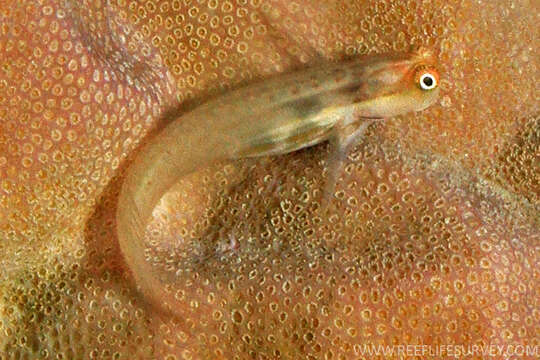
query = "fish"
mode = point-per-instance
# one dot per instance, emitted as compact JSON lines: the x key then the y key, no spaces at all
{"x":333,"y":102}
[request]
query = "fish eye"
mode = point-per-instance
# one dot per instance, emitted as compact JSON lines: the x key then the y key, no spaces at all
{"x":428,"y":81}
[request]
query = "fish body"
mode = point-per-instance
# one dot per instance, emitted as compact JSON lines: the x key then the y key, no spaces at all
{"x":297,"y":110}
{"x":275,"y":116}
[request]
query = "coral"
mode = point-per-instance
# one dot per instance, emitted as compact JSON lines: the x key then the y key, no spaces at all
{"x":432,"y":238}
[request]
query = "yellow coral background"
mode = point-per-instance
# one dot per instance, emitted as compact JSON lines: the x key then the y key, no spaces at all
{"x":433,"y":237}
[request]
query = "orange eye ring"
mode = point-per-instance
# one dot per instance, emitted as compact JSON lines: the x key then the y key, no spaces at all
{"x":427,"y":78}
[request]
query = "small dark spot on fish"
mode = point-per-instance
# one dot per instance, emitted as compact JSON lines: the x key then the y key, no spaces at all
{"x":339,"y":76}
{"x":304,"y":107}
{"x":351,"y":91}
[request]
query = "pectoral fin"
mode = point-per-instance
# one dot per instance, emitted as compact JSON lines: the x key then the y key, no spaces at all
{"x":341,"y":141}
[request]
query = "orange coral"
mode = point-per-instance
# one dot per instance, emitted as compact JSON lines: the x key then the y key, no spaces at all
{"x":433,"y":235}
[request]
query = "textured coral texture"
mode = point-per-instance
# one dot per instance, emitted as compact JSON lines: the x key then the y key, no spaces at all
{"x":432,"y":237}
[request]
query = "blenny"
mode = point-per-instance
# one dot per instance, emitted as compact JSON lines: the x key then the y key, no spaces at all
{"x":335,"y":101}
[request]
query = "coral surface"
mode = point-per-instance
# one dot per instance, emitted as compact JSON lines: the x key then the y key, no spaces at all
{"x":432,"y":237}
